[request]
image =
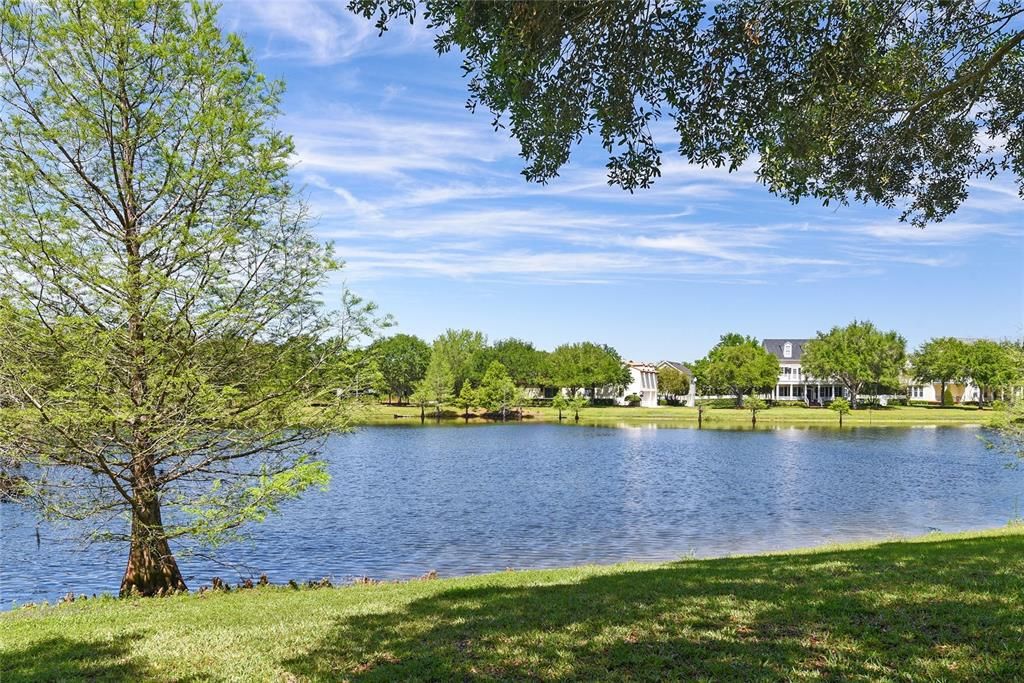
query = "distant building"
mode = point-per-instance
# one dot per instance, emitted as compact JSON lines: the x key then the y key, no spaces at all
{"x":643,"y":382}
{"x":956,"y":393}
{"x":794,"y":384}
{"x":689,"y":399}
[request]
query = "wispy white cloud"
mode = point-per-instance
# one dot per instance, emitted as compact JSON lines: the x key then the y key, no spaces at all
{"x":406,"y":181}
{"x":318,"y":32}
{"x":951,"y":230}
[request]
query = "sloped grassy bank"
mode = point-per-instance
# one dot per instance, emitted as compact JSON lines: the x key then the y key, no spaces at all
{"x":938,"y":607}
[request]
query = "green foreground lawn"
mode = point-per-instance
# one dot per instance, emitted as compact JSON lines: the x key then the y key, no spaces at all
{"x":940,"y":607}
{"x":724,"y":417}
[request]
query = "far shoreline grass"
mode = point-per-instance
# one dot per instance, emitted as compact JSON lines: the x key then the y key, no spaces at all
{"x":779,"y":416}
{"x":935,"y":607}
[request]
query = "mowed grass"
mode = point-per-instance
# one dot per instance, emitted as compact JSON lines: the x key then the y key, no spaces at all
{"x":713,"y":417}
{"x":940,"y":607}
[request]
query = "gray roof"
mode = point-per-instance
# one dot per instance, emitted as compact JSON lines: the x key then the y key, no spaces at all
{"x":676,"y":365}
{"x":775,"y":346}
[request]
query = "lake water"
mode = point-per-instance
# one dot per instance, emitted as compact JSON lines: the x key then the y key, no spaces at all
{"x":407,"y":500}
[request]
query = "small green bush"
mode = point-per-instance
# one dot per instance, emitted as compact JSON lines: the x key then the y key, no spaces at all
{"x":719,"y":403}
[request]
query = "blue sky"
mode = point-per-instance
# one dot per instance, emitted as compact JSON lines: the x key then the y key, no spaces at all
{"x":426,"y":204}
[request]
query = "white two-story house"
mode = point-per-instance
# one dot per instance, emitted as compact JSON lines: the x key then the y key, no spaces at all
{"x":794,"y":384}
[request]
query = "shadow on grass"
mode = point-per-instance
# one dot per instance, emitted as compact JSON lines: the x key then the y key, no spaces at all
{"x":933,"y":610}
{"x":63,"y":659}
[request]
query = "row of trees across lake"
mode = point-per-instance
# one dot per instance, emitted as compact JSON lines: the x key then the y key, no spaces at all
{"x":461,"y":369}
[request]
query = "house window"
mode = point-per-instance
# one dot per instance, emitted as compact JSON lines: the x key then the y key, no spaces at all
{"x":826,"y":392}
{"x":787,"y":350}
{"x":917,"y":392}
{"x":787,"y":371}
{"x":783,"y":391}
{"x":798,"y":392}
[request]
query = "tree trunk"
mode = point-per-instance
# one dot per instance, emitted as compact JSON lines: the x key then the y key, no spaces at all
{"x":942,"y":397}
{"x":152,"y":569}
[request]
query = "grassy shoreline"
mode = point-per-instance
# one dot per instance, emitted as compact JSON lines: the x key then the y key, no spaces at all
{"x":941,"y":606}
{"x":380,"y":414}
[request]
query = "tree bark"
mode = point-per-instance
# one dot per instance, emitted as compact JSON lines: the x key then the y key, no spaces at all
{"x":151,"y":569}
{"x":942,"y":397}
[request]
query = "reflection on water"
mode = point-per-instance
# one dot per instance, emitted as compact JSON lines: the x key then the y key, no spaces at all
{"x":403,"y":501}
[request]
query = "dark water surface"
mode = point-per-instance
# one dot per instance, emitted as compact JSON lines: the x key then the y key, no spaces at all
{"x":406,"y":500}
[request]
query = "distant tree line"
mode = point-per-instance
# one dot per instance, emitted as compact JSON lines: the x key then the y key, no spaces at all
{"x":460,"y":368}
